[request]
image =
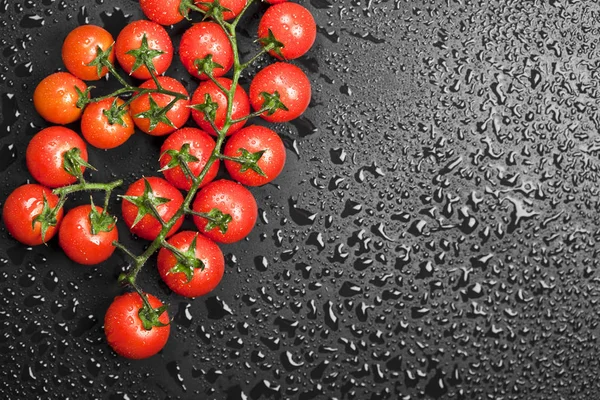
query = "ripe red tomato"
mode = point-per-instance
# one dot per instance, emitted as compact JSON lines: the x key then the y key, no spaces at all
{"x":125,"y":331}
{"x":200,"y":145}
{"x":77,"y":240}
{"x":99,"y":132}
{"x":164,"y":12}
{"x":292,"y":85}
{"x":55,"y":98}
{"x":200,"y":280}
{"x":80,"y":48}
{"x":130,"y":39}
{"x":45,"y":155}
{"x":240,"y":109}
{"x":229,"y":198}
{"x":234,"y":6}
{"x":148,"y":227}
{"x":292,"y":25}
{"x":201,"y":40}
{"x":178,"y":114}
{"x":20,"y":209}
{"x":253,"y":139}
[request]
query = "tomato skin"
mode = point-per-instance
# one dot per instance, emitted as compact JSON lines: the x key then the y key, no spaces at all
{"x":125,"y":332}
{"x":204,"y":280}
{"x":235,"y":7}
{"x":255,"y":138}
{"x":148,"y":227}
{"x":240,"y":109}
{"x":292,"y":25}
{"x":202,"y":39}
{"x":292,"y":85}
{"x":55,"y":98}
{"x":98,"y":132}
{"x":130,"y":38}
{"x":178,"y":114}
{"x":77,"y":241}
{"x":44,"y":155}
{"x":201,"y":147}
{"x":79,"y":49}
{"x":230,"y":198}
{"x":164,"y":12}
{"x":22,"y":206}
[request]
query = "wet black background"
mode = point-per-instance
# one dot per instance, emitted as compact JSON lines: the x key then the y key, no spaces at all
{"x":434,"y":233}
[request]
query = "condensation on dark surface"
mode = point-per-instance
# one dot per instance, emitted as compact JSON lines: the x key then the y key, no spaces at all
{"x":433,"y":234}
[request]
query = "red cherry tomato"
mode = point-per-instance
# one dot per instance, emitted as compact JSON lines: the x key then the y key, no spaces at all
{"x":201,"y":40}
{"x":229,"y":198}
{"x":99,"y":132}
{"x":125,"y":331}
{"x":20,"y":209}
{"x":55,"y":98}
{"x":149,"y":227}
{"x":234,"y":6}
{"x":45,"y":155}
{"x":253,"y":139}
{"x":292,"y":25}
{"x":292,"y":85}
{"x":240,"y":109}
{"x":203,"y":280}
{"x":164,"y":12}
{"x":131,"y":39}
{"x":200,"y":145}
{"x":80,"y":48}
{"x":178,"y":114}
{"x":77,"y":240}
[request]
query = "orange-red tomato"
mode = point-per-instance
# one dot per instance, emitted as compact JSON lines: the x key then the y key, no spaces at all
{"x":81,"y":48}
{"x":55,"y":98}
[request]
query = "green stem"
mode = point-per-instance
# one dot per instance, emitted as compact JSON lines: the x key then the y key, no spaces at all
{"x":262,"y":51}
{"x":251,"y":115}
{"x":124,"y":249}
{"x":78,"y":187}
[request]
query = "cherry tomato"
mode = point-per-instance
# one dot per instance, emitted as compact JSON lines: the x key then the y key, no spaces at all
{"x":253,"y":139}
{"x":148,"y":227}
{"x":234,"y":6}
{"x":164,"y":12}
{"x":55,"y":98}
{"x":130,"y":39}
{"x":178,"y":114}
{"x":229,"y":198}
{"x":201,"y":40}
{"x":200,"y":145}
{"x":201,"y":280}
{"x":292,"y":85}
{"x":77,"y":240}
{"x":240,"y":109}
{"x":99,"y":132}
{"x":80,"y":48}
{"x":20,"y":209}
{"x":292,"y":25}
{"x":125,"y":331}
{"x":46,"y":152}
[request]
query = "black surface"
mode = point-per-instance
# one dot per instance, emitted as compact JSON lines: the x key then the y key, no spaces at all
{"x":434,"y":234}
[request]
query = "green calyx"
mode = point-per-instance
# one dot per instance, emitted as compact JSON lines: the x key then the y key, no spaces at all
{"x":270,"y":43}
{"x":206,"y":65}
{"x":83,"y":98}
{"x":187,"y":262}
{"x":46,"y":219}
{"x":249,"y":161}
{"x":150,"y":316}
{"x":101,"y":221}
{"x":179,"y":158}
{"x":272,"y":103}
{"x":115,"y":113}
{"x":208,"y":108}
{"x":214,"y":10}
{"x":147,"y":203}
{"x":73,"y":162}
{"x":156,"y":114}
{"x":101,"y":60}
{"x":185,"y":6}
{"x":144,"y":56}
{"x":216,"y":219}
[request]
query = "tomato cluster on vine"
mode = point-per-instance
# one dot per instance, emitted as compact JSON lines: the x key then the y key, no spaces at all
{"x":224,"y":211}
